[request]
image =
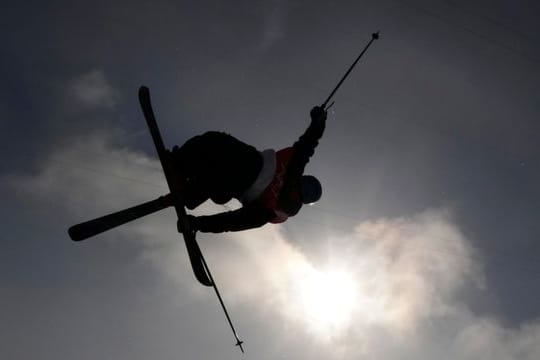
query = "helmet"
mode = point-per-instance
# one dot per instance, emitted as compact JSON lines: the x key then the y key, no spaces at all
{"x":310,"y":189}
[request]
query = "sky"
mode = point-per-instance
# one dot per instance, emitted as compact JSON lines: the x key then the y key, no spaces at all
{"x":424,"y":244}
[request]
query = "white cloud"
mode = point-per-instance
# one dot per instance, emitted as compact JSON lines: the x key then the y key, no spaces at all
{"x":405,"y":270}
{"x":91,"y":172}
{"x":94,"y":90}
{"x":273,"y":25}
{"x":407,"y":273}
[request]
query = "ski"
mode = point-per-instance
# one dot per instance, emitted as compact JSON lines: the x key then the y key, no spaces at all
{"x":194,"y":252}
{"x":93,"y":227}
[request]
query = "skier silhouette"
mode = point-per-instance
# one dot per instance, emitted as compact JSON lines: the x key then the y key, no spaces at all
{"x":271,"y":185}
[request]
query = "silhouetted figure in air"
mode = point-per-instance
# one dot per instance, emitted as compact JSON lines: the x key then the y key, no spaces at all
{"x":271,"y":185}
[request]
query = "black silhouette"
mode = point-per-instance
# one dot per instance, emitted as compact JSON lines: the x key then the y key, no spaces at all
{"x":219,"y":167}
{"x":270,"y":185}
{"x":216,"y":166}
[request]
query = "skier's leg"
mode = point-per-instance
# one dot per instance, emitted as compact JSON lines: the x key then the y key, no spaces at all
{"x":186,"y":162}
{"x":216,"y":165}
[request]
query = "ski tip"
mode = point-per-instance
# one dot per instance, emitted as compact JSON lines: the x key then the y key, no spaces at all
{"x":143,"y":90}
{"x":76,"y":234}
{"x":239,"y":344}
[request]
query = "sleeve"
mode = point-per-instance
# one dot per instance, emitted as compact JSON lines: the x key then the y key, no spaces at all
{"x":304,"y":147}
{"x":247,"y":217}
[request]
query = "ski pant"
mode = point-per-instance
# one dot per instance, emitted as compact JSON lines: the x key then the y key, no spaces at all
{"x":215,"y":166}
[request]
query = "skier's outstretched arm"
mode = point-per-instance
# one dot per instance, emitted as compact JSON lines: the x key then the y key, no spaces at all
{"x":247,"y":217}
{"x":304,"y":147}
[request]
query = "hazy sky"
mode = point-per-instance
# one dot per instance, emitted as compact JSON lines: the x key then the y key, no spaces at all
{"x":426,"y":241}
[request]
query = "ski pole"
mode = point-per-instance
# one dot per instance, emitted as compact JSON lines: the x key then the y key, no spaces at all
{"x":238,"y":341}
{"x":374,"y":37}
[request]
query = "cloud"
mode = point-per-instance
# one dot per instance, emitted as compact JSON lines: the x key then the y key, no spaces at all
{"x":406,"y":275}
{"x":273,"y":25}
{"x":406,"y":270}
{"x":94,"y":90}
{"x":92,"y":172}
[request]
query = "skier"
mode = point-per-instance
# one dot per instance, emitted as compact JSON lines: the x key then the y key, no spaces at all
{"x":270,"y":185}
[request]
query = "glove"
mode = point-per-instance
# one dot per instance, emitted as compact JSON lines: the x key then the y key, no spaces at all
{"x":187,"y":224}
{"x":318,"y":114}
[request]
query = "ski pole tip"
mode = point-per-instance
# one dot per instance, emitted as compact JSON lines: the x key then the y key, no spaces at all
{"x":375,"y":35}
{"x":239,"y":344}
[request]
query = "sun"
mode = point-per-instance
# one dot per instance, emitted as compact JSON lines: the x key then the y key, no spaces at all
{"x":328,"y":297}
{"x":325,"y":300}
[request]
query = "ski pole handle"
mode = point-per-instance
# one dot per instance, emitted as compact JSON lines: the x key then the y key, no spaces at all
{"x":329,"y":106}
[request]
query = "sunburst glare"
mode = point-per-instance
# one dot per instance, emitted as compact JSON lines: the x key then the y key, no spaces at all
{"x":325,"y":299}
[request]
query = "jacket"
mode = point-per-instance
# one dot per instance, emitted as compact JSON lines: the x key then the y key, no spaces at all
{"x":271,"y":206}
